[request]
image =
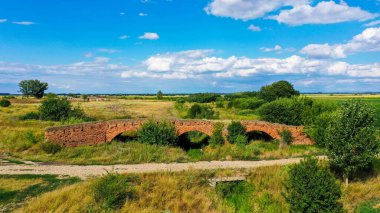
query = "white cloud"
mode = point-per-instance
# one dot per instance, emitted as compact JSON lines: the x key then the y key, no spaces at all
{"x":143,"y":14}
{"x":3,"y":20}
{"x":105,"y":50}
{"x":123,"y":37}
{"x":372,"y":23}
{"x":23,"y":23}
{"x":254,"y":28}
{"x":367,"y":41}
{"x":325,"y":12}
{"x":122,"y":13}
{"x":275,"y":48}
{"x":150,"y":36}
{"x":198,"y":63}
{"x":247,"y":9}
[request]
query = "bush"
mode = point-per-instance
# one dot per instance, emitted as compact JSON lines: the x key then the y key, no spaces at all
{"x":30,"y":116}
{"x":235,"y":129}
{"x":113,"y":190}
{"x":288,"y":111}
{"x":4,"y":102}
{"x":311,"y":188}
{"x":286,"y":136}
{"x":247,"y":103}
{"x":152,"y":132}
{"x":201,"y":112}
{"x":30,"y":137}
{"x":55,"y":109}
{"x":217,"y":138}
{"x":51,"y":148}
{"x":279,"y":89}
{"x":241,"y":139}
{"x":203,"y":97}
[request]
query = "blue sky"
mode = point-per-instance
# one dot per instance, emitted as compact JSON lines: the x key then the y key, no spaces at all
{"x":183,"y":46}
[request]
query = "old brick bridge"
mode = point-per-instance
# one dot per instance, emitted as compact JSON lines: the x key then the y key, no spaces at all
{"x":105,"y":131}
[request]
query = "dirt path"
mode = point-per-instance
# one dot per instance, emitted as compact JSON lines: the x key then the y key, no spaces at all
{"x":96,"y":170}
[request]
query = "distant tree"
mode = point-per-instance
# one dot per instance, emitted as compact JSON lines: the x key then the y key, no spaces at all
{"x":201,"y":111}
{"x":350,"y":138}
{"x":312,"y":188}
{"x":279,"y":89}
{"x":85,"y":97}
{"x":160,"y":95}
{"x":33,"y":88}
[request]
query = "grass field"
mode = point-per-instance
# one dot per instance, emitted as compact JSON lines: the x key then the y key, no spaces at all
{"x":190,"y":192}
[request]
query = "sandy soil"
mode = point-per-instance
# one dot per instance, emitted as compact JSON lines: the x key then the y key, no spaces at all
{"x":96,"y":170}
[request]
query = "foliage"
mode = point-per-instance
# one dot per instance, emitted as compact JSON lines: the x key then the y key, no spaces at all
{"x":350,"y":138}
{"x":235,"y":129}
{"x":201,"y":111}
{"x":160,"y":95}
{"x":279,"y":89}
{"x":4,"y":102}
{"x":246,"y":103}
{"x":160,"y":133}
{"x":217,"y":138}
{"x":286,"y":136}
{"x":312,"y":188}
{"x":288,"y":111}
{"x":237,"y":193}
{"x":51,"y":148}
{"x":30,"y":116}
{"x":33,"y":88}
{"x":85,"y":97}
{"x":113,"y":190}
{"x":59,"y":109}
{"x":233,"y":96}
{"x":241,"y":140}
{"x":203,"y":97}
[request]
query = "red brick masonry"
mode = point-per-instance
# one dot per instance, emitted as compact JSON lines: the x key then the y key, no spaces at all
{"x":105,"y":131}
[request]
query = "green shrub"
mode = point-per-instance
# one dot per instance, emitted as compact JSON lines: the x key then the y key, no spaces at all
{"x":4,"y":102}
{"x":237,"y":193}
{"x":201,"y":112}
{"x":235,"y":129}
{"x":30,"y":116}
{"x":247,"y":103}
{"x":113,"y":190}
{"x":51,"y":148}
{"x":311,"y":188}
{"x":55,"y":109}
{"x":286,"y":110}
{"x":160,"y":133}
{"x":286,"y":136}
{"x":217,"y":138}
{"x":30,"y":137}
{"x":241,"y":139}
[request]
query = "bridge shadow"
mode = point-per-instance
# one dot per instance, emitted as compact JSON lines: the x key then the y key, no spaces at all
{"x":259,"y":136}
{"x":126,"y":136}
{"x":192,"y":140}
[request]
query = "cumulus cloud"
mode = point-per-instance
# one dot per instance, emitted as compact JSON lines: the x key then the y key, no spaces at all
{"x":367,"y":41}
{"x":277,"y":48}
{"x":3,"y":20}
{"x":198,"y":63}
{"x":254,"y":28}
{"x":150,"y":36}
{"x":325,"y":12}
{"x":247,"y":9}
{"x":26,"y":23}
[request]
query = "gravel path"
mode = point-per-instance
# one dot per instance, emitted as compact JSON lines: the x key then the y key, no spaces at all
{"x":96,"y":170}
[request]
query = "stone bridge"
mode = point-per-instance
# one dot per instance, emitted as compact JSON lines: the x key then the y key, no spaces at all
{"x":105,"y":131}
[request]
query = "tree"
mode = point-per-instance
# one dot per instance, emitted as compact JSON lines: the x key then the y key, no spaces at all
{"x":201,"y":111}
{"x":350,"y":138}
{"x":279,"y":89}
{"x":312,"y":188}
{"x":55,"y":109}
{"x":160,"y":95}
{"x":159,"y":133}
{"x":33,"y":88}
